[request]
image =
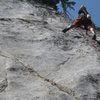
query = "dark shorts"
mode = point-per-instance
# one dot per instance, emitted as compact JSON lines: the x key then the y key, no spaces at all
{"x":82,"y":21}
{"x":77,"y":23}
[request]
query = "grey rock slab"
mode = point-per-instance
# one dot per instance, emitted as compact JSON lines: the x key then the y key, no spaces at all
{"x":39,"y":62}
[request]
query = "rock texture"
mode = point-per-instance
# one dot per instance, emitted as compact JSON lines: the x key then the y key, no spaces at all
{"x":38,"y":61}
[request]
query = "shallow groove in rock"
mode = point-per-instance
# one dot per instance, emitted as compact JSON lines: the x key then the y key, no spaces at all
{"x":57,"y":85}
{"x":29,"y":21}
{"x":5,"y":19}
{"x":62,"y":63}
{"x":62,"y":88}
{"x":3,"y":85}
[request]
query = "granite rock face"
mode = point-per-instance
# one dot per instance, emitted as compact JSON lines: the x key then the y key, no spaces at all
{"x":38,"y":61}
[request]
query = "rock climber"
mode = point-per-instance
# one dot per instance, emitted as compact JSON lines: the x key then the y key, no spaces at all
{"x":83,"y":21}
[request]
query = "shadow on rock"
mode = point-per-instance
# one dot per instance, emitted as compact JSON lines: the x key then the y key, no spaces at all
{"x":89,"y":87}
{"x":63,"y":43}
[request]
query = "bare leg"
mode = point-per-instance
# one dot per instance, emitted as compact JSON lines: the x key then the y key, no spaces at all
{"x":94,"y":33}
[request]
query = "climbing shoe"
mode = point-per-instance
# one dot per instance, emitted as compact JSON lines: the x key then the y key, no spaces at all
{"x":94,"y":37}
{"x":65,"y":30}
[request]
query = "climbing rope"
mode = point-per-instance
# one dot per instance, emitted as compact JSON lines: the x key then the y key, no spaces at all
{"x":93,"y":42}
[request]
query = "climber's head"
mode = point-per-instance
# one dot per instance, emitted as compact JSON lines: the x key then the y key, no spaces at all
{"x":82,"y":7}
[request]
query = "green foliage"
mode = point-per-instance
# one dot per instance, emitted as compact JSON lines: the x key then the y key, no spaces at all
{"x":67,"y":4}
{"x":53,"y":3}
